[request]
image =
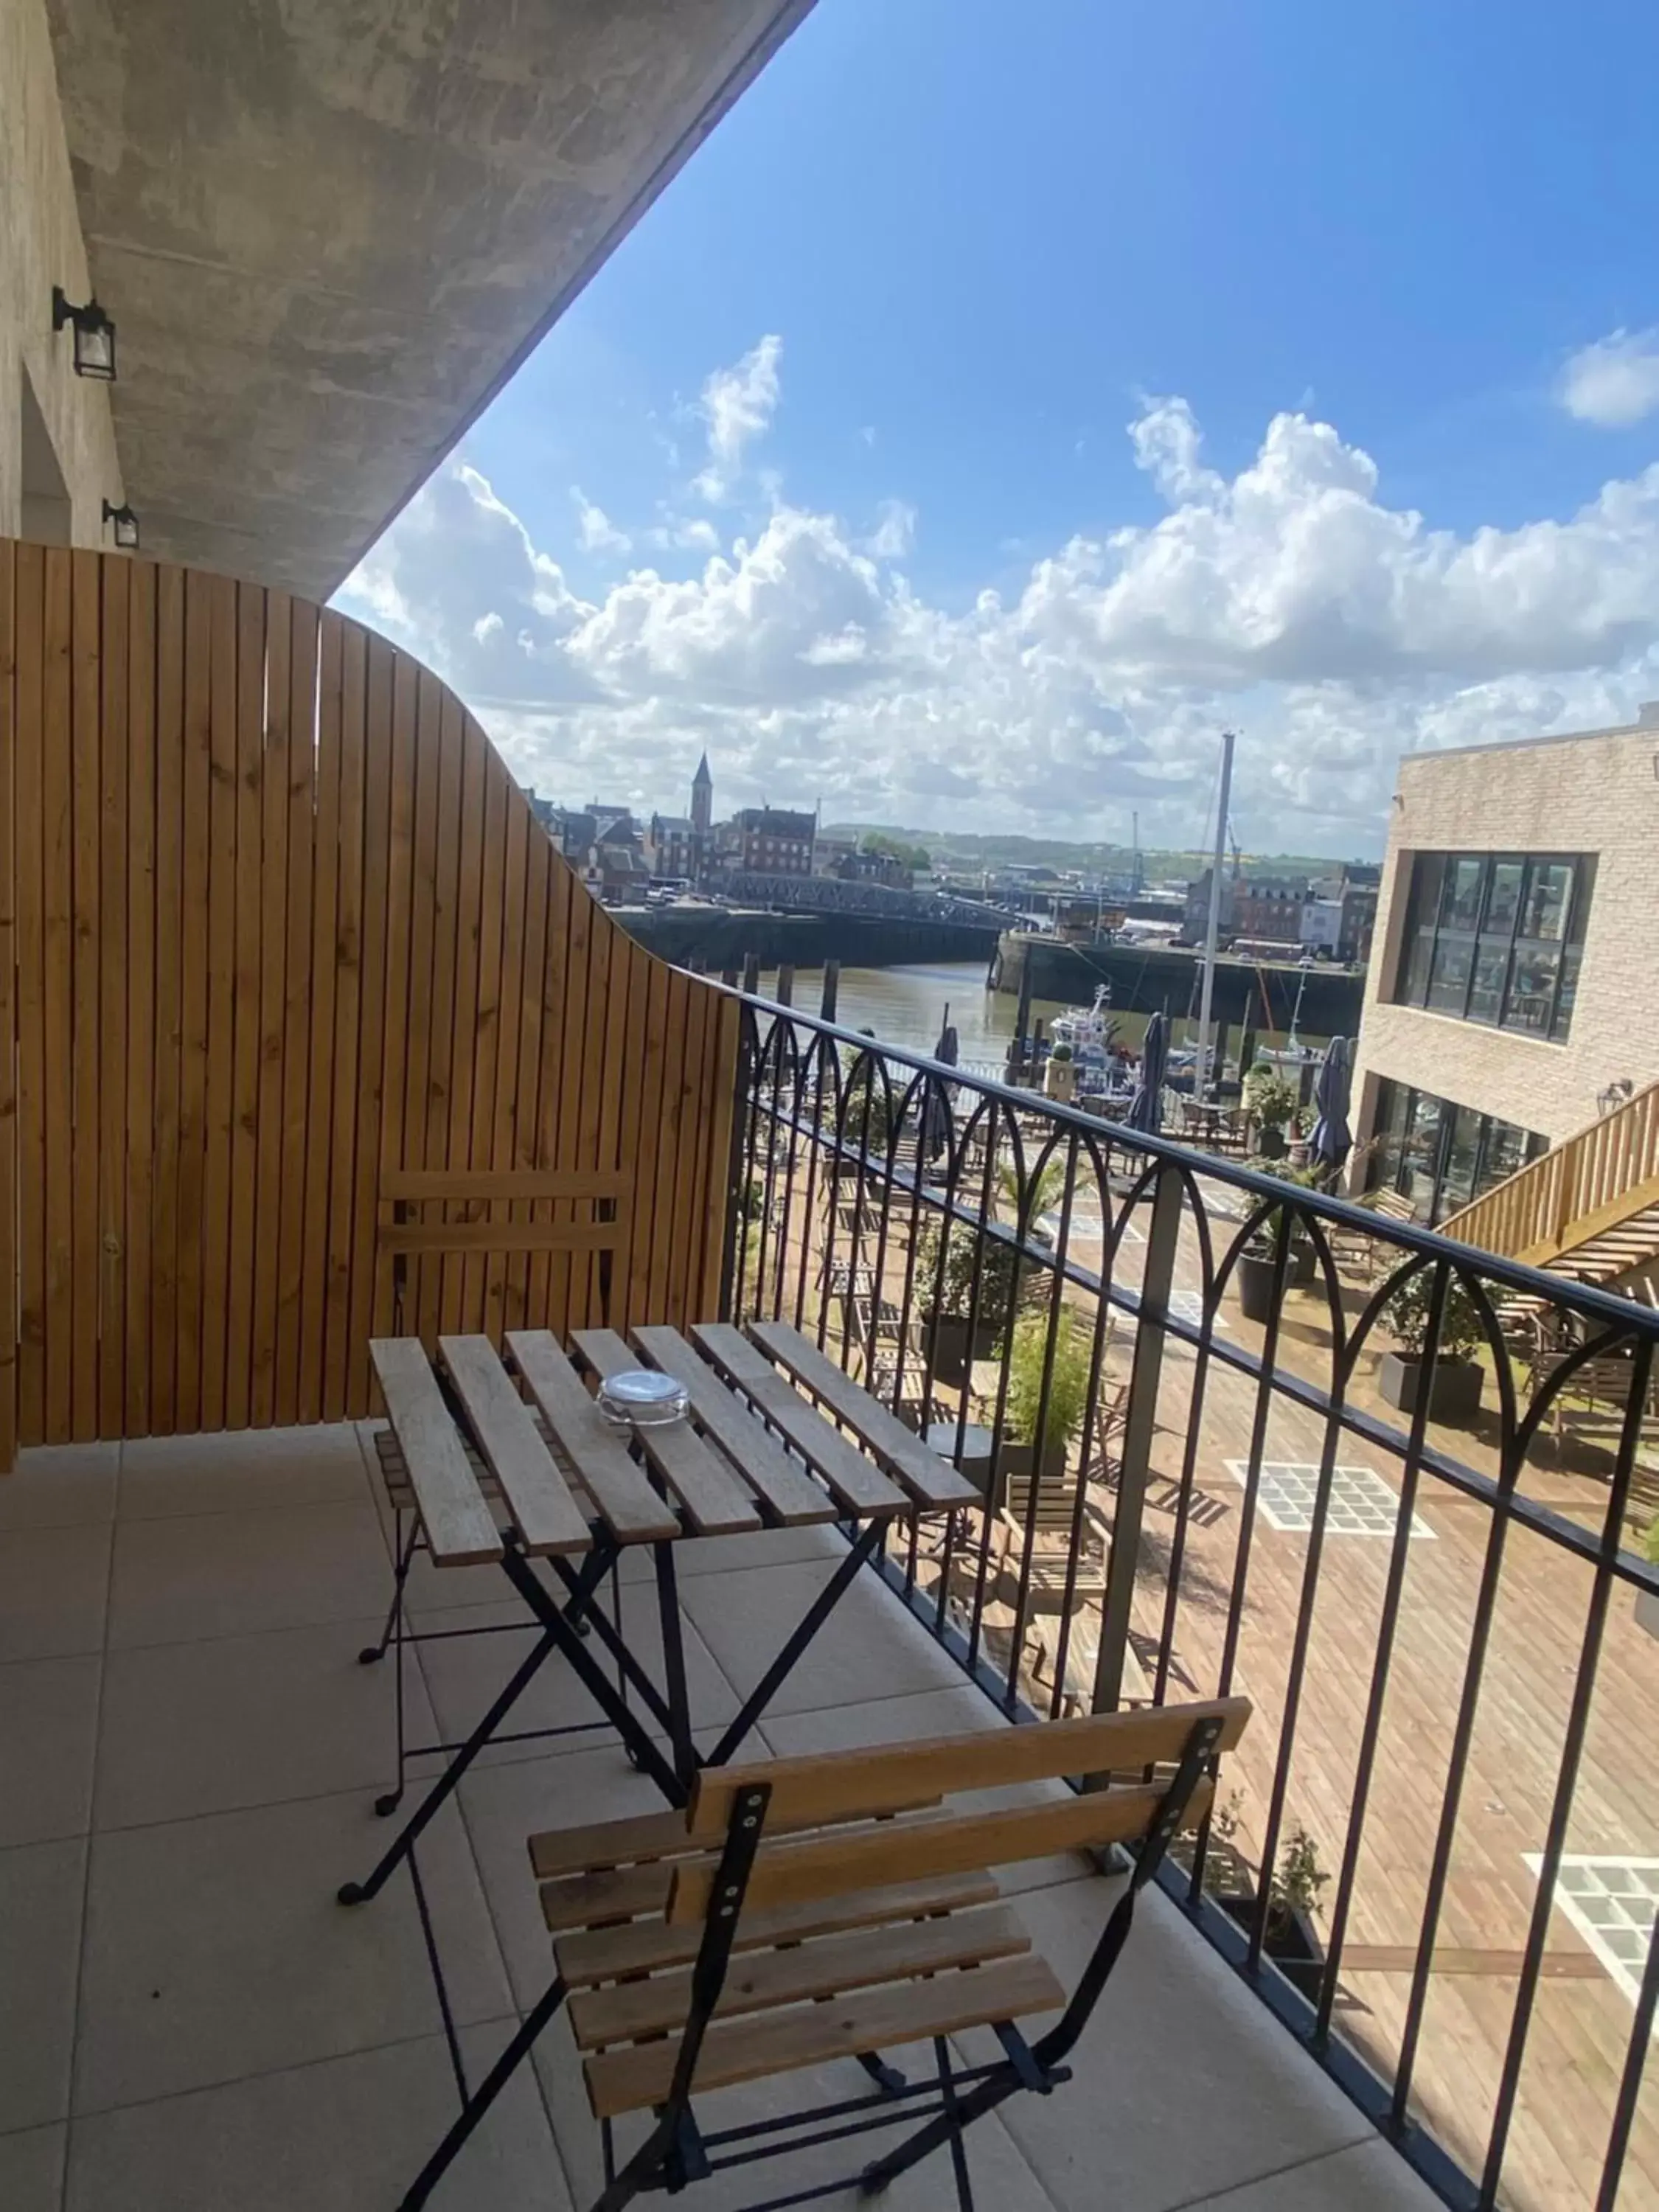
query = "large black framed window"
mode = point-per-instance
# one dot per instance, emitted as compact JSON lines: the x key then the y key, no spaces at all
{"x":1439,"y":1155}
{"x":1496,"y":938}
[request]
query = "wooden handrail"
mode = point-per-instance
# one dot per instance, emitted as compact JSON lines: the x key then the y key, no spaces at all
{"x":1586,"y":1184}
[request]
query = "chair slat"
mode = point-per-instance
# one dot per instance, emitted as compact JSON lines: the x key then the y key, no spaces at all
{"x":462,"y":1186}
{"x":631,"y":1508}
{"x":860,"y":1486}
{"x":587,"y":1955}
{"x":827,"y":1968}
{"x":931,"y":1480}
{"x":789,"y":1492}
{"x":832,"y":1785}
{"x":748,"y":2051}
{"x":716,"y":1502}
{"x":914,"y":1851}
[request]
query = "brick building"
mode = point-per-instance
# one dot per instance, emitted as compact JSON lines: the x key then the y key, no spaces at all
{"x":1511,"y":985}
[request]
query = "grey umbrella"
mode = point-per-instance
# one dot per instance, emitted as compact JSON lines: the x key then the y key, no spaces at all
{"x":1146,"y":1104}
{"x":937,"y":1119}
{"x":1332,"y":1136}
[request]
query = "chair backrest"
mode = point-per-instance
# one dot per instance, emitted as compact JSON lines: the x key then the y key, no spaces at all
{"x":446,"y":1211}
{"x":877,"y":1785}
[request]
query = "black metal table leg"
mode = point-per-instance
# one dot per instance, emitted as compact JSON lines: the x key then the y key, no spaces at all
{"x":673,"y":1659}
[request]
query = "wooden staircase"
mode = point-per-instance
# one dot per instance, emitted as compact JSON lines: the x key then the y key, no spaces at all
{"x":1588,"y":1207}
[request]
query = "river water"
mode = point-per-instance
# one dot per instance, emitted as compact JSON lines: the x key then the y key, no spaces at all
{"x":907,"y":1006}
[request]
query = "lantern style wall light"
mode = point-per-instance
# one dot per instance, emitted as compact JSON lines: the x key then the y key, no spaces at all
{"x":126,"y":526}
{"x":94,"y":336}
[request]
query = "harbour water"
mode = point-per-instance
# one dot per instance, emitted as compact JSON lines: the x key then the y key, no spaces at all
{"x":907,"y":1006}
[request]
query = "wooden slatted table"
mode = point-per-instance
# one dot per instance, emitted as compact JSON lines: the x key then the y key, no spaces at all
{"x":778,"y":1436}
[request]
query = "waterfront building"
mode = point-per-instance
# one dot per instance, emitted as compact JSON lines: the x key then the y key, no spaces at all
{"x":1511,"y":1000}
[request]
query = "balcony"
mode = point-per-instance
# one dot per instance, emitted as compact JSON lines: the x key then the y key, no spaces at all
{"x":190,"y":1754}
{"x":287,"y":956}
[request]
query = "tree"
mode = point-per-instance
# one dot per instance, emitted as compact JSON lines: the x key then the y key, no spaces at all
{"x":916,"y":858}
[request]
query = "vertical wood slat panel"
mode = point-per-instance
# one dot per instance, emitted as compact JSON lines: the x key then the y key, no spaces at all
{"x":59,"y":953}
{"x":249,"y":971}
{"x":348,"y":999}
{"x":9,"y":1315}
{"x":140,"y":990}
{"x":114,"y":650}
{"x":170,"y":780}
{"x":325,"y":892}
{"x":215,"y":1225}
{"x":296,"y":994}
{"x":279,"y":919}
{"x":28,"y":643}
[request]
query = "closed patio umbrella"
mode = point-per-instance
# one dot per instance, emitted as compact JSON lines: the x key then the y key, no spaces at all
{"x":1332,"y":1137}
{"x":937,"y":1124}
{"x":1146,"y":1104}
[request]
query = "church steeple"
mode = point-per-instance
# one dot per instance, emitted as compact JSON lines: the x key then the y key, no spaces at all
{"x":702,"y":799}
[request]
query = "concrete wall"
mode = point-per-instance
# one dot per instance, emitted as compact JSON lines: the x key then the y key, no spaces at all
{"x":70,"y":445}
{"x":1597,"y":794}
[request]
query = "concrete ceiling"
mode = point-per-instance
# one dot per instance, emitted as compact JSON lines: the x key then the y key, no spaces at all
{"x":329,"y":230}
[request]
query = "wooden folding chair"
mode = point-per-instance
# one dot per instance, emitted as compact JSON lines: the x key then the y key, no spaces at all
{"x":804,"y":1910}
{"x":449,"y":1212}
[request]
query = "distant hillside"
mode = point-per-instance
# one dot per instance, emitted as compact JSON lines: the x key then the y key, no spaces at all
{"x":955,"y":849}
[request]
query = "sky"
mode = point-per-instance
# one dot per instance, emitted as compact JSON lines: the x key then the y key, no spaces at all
{"x":1004,"y":401}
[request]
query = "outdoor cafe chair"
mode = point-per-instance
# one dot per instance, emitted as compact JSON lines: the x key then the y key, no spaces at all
{"x":803,"y":1912}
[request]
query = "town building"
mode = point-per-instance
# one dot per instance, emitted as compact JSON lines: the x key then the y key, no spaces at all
{"x":670,"y":847}
{"x":773,"y":840}
{"x":1510,"y":998}
{"x":1338,"y":915}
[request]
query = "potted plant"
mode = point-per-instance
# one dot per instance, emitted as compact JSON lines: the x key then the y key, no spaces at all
{"x":1270,"y":1100}
{"x":1455,"y":1382}
{"x":1290,"y":1938}
{"x":1257,"y":1263}
{"x":1647,"y":1602}
{"x":1060,"y":1075}
{"x":945,"y":1301}
{"x":1067,"y":1403}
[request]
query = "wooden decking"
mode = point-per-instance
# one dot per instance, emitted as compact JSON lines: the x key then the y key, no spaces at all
{"x":1583,"y":2013}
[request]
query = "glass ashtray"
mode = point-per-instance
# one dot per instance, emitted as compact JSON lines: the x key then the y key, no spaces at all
{"x":643,"y":1398}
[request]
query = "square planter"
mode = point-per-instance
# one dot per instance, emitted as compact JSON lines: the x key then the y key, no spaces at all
{"x":1454,"y":1389}
{"x":1647,"y":1611}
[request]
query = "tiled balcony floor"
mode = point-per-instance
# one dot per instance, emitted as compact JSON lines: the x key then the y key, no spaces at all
{"x":188,"y":1758}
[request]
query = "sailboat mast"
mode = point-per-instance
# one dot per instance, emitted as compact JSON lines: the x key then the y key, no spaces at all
{"x":1212,"y":927}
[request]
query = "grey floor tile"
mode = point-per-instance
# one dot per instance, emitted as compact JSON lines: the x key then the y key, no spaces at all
{"x":48,"y":1725}
{"x":504,"y":1806}
{"x":1003,"y":2178}
{"x":228,"y":1473}
{"x":32,"y":2169}
{"x":1180,"y":2070}
{"x":1369,"y":2177}
{"x":930,"y":1713}
{"x":237,"y":1574}
{"x":249,"y":1720}
{"x":464,"y":1676}
{"x":347,"y":2134}
{"x":870,"y":1647}
{"x":41,"y":1889}
{"x":54,"y":1586}
{"x":59,"y":1486}
{"x":723,"y":1555}
{"x":216,"y":1949}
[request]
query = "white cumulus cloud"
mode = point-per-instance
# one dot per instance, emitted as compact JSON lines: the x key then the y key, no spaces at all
{"x":595,"y":530}
{"x":1615,"y":382}
{"x":738,"y":405}
{"x":1289,"y":598}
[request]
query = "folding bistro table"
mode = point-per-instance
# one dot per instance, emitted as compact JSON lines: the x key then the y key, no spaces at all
{"x":755,"y":1454}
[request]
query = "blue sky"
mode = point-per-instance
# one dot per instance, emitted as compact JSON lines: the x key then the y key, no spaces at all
{"x":1375,"y":283}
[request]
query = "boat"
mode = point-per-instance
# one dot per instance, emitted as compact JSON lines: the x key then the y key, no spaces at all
{"x":1091,"y":1032}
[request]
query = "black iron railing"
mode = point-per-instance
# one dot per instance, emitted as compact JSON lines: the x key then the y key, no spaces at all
{"x":1168,"y":1374}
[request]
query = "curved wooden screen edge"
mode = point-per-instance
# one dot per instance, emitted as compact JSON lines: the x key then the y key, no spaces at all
{"x":280,"y":938}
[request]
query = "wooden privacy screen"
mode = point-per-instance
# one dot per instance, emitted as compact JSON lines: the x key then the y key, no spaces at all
{"x":274,"y":920}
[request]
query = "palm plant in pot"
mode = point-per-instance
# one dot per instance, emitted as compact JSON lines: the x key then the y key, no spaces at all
{"x":1290,"y":1938}
{"x":1067,"y":1404}
{"x":1256,"y":1264}
{"x":956,"y":1333}
{"x":1453,"y":1378}
{"x":1270,"y":1101}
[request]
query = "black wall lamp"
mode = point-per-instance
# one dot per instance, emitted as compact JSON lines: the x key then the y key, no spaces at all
{"x":94,"y":336}
{"x":126,"y":526}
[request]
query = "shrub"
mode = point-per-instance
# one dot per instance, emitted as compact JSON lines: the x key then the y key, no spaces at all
{"x":1407,"y":1314}
{"x":1269,"y":1098}
{"x":996,"y":1275}
{"x":1068,"y":1384}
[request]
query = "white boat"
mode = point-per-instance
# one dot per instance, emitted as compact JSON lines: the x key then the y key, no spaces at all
{"x":1091,"y":1032}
